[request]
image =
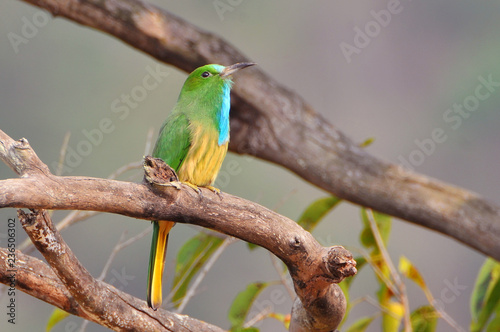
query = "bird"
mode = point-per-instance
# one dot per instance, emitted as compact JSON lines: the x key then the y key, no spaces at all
{"x":193,"y":140}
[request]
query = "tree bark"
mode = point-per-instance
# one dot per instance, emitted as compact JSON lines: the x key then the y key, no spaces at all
{"x":122,"y":311}
{"x":315,"y":270}
{"x":273,"y":123}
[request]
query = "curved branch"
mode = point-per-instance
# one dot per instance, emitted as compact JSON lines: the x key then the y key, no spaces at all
{"x":315,"y":270}
{"x":37,"y":279}
{"x":273,"y":123}
{"x":49,"y":289}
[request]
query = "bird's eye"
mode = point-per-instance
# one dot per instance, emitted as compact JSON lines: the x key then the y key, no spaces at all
{"x":205,"y":74}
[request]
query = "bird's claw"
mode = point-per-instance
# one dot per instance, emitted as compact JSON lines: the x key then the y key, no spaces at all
{"x":215,"y":190}
{"x":175,"y":184}
{"x":194,"y":187}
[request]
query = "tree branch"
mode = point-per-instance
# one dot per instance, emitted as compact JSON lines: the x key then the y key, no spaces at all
{"x":27,"y":279}
{"x":314,"y":269}
{"x":273,"y":123}
{"x":37,"y":279}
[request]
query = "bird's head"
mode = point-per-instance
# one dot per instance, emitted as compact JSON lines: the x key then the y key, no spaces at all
{"x":213,"y":75}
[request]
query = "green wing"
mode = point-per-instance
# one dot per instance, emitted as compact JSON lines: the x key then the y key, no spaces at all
{"x":174,"y":140}
{"x":172,"y":146}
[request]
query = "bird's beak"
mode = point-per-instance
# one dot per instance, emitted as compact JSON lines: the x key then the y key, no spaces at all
{"x":229,"y":70}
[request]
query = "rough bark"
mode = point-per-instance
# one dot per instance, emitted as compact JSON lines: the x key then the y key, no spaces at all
{"x":273,"y":123}
{"x":315,"y":270}
{"x":124,"y":312}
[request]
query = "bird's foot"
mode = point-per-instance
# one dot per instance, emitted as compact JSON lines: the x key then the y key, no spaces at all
{"x":175,"y":184}
{"x":215,"y":190}
{"x":194,"y":187}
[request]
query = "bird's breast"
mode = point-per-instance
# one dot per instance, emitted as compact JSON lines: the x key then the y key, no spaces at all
{"x":204,"y":158}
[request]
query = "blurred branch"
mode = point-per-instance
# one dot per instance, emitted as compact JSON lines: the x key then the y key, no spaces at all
{"x":315,"y":270}
{"x":273,"y":123}
{"x":398,"y":283}
{"x":122,"y":244}
{"x":62,"y":153}
{"x":206,"y":267}
{"x":282,"y":274}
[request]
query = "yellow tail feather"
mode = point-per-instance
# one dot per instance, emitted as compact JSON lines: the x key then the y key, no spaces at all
{"x":157,"y":261}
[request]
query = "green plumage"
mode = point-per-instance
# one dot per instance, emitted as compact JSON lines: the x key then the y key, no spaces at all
{"x":193,"y":141}
{"x":173,"y":142}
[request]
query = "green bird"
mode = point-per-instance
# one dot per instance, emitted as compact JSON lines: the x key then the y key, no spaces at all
{"x":193,"y":141}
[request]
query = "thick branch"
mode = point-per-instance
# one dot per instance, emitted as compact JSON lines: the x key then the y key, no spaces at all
{"x":275,"y":124}
{"x":35,"y":278}
{"x":26,"y":275}
{"x":314,"y":269}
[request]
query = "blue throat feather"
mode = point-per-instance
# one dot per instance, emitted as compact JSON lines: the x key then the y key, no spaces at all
{"x":223,"y":114}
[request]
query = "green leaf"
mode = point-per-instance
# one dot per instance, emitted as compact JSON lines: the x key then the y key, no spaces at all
{"x":245,"y":329}
{"x":252,"y":246}
{"x":56,"y":316}
{"x":190,"y":259}
{"x":367,"y":142}
{"x":411,"y":272}
{"x":494,"y":325}
{"x":383,"y":222}
{"x":313,"y":214}
{"x":480,"y":289}
{"x":243,"y":302}
{"x":424,"y":319}
{"x":283,"y":318}
{"x":361,"y":324}
{"x":392,"y":316}
{"x":485,"y":295}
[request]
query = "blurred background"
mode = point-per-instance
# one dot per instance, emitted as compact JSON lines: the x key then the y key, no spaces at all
{"x":396,"y":81}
